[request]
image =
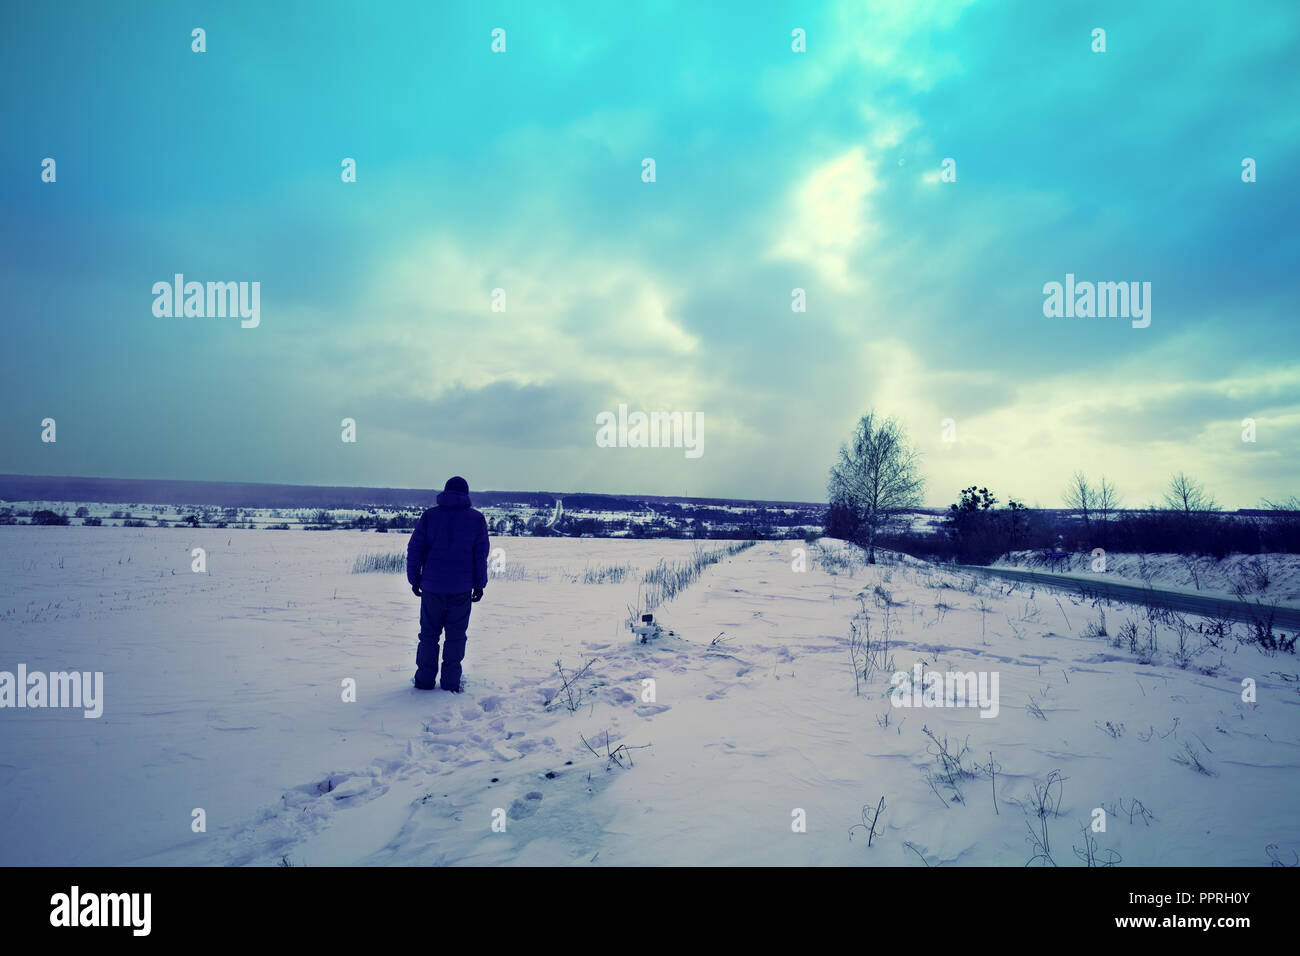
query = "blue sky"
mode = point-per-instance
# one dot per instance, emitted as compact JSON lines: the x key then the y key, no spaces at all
{"x":775,"y":170}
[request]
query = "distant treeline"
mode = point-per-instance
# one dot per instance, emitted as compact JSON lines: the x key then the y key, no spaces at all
{"x":974,"y":534}
{"x":249,"y":495}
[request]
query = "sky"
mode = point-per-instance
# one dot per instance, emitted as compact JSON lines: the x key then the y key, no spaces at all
{"x":775,"y":170}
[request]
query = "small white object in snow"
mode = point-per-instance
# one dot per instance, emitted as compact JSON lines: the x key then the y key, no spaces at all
{"x":648,"y":628}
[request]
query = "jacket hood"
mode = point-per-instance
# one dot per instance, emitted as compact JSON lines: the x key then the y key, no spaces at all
{"x":452,"y":499}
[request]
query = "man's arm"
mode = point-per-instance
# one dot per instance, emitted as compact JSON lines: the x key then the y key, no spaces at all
{"x":481,"y":554}
{"x":415,"y":549}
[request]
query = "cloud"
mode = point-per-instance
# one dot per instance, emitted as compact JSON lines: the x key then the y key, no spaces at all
{"x":828,"y":218}
{"x":569,"y":315}
{"x":500,"y":414}
{"x":777,"y":170}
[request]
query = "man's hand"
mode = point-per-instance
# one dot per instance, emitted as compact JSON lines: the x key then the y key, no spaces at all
{"x":476,"y":595}
{"x":415,"y":589}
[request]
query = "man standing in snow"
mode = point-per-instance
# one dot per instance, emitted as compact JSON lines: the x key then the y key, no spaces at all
{"x":446,"y":565}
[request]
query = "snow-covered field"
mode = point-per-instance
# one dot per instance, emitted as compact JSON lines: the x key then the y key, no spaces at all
{"x":1271,"y":578}
{"x":224,"y":691}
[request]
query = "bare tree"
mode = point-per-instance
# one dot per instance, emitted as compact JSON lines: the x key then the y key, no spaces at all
{"x":1080,"y":497}
{"x":1106,"y":499}
{"x":1188,"y":496}
{"x":876,"y":475}
{"x":1283,"y":525}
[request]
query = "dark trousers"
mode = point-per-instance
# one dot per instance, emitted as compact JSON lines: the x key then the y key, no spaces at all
{"x":439,"y":613}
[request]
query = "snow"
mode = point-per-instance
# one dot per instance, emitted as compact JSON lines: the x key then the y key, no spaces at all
{"x":224,"y":692}
{"x":1177,"y":572}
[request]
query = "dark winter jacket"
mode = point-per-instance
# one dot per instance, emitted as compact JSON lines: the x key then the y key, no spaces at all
{"x":448,"y":550}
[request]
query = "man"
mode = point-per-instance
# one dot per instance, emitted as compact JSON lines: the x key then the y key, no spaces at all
{"x":446,"y":565}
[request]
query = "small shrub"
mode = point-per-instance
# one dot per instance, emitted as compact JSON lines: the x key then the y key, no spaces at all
{"x":1096,"y":628}
{"x":606,"y":574}
{"x":380,"y":561}
{"x":1128,"y":634}
{"x":1254,"y":577}
{"x":48,"y":517}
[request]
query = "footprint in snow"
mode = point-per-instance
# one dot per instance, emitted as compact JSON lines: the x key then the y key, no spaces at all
{"x":358,"y":790}
{"x":346,"y":787}
{"x":506,"y":752}
{"x":526,"y":807}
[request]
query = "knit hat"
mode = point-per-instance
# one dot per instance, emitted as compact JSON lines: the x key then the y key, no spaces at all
{"x":457,"y":483}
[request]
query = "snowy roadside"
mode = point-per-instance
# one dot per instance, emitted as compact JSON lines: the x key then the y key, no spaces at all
{"x":1272,"y":578}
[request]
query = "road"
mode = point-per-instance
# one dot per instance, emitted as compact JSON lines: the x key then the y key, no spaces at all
{"x":1283,"y":617}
